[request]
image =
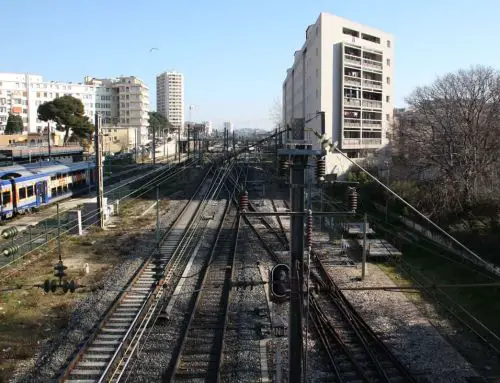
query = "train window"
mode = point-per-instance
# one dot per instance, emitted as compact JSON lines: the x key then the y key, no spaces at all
{"x":30,"y":191}
{"x":53,"y":191}
{"x":53,"y":178}
{"x":5,"y":198}
{"x":22,"y":193}
{"x":59,"y":190}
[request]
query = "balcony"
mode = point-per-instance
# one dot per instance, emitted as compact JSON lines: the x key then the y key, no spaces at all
{"x":372,"y":124}
{"x":350,"y":80}
{"x":377,"y":65}
{"x":372,"y":104}
{"x":353,"y":60}
{"x":352,"y":123}
{"x":358,"y":143}
{"x":372,"y":84}
{"x":352,"y":101}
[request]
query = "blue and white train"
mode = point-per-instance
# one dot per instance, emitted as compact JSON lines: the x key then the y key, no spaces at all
{"x":27,"y":187}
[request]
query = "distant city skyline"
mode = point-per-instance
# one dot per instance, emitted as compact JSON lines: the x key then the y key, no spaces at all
{"x":236,"y":76}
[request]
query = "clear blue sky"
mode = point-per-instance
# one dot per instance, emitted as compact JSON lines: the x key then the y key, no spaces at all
{"x":234,"y":53}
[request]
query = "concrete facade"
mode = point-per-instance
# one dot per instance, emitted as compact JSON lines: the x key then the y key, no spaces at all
{"x":170,"y":97}
{"x":22,"y":93}
{"x":344,"y":69}
{"x":123,"y":100}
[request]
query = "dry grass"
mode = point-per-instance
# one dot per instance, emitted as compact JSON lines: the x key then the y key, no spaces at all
{"x":28,"y":315}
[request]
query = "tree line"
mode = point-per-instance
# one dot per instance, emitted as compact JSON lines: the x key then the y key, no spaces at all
{"x":448,"y":142}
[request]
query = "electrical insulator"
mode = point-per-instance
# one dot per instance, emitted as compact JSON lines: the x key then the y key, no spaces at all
{"x":309,"y":229}
{"x":283,"y":167}
{"x":59,"y":270}
{"x":11,"y":250}
{"x":320,"y":169}
{"x":352,"y":199}
{"x":244,"y":201}
{"x":10,"y":232}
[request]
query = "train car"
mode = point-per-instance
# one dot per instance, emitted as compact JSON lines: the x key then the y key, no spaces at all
{"x":29,"y":187}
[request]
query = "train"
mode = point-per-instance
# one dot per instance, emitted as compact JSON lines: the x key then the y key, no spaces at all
{"x":24,"y":188}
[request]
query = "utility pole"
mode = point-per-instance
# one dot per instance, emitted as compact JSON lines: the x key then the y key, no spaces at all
{"x":297,"y":182}
{"x":158,"y":213}
{"x":363,"y":255}
{"x":99,"y":178}
{"x":234,"y":143}
{"x":388,"y":195}
{"x":48,"y":136}
{"x":179,"y":144}
{"x":154,"y":145}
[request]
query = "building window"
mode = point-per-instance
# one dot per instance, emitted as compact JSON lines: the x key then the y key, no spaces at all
{"x":388,"y":117}
{"x":388,"y":62}
{"x":388,"y":80}
{"x":371,"y":38}
{"x":350,"y":32}
{"x":387,"y":98}
{"x":388,"y":43}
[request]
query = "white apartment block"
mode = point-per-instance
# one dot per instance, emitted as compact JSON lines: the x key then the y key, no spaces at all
{"x":344,"y":69}
{"x":124,"y":102}
{"x":170,"y":97}
{"x":23,"y":93}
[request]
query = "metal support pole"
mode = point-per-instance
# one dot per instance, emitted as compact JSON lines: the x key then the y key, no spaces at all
{"x":99,"y":181}
{"x":31,"y":236}
{"x":188,"y":142}
{"x":234,"y":143}
{"x":48,"y":135}
{"x":179,"y":144}
{"x":157,"y":213}
{"x":297,"y":181}
{"x":154,"y":145}
{"x":58,"y":234}
{"x":387,"y":198}
{"x":363,"y":256}
{"x":321,"y":209}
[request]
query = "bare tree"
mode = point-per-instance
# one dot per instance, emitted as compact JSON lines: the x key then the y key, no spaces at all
{"x":451,"y":133}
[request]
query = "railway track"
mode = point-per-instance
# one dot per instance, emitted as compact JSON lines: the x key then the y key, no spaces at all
{"x":96,"y":358}
{"x":184,"y":252}
{"x":199,"y":356}
{"x":355,"y":352}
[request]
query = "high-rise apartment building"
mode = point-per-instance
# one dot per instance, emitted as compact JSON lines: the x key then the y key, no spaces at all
{"x":345,"y":70}
{"x":170,"y":97}
{"x":22,"y":94}
{"x":124,"y":102}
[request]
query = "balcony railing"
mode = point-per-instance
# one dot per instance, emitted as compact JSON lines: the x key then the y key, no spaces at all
{"x":372,"y":104}
{"x":372,"y":64}
{"x":352,"y":101}
{"x":352,"y":122}
{"x":349,"y":59}
{"x":372,"y":84}
{"x":362,"y":142}
{"x":372,"y":123}
{"x":349,"y":80}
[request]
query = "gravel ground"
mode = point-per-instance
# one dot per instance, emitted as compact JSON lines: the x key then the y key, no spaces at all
{"x":245,"y":328}
{"x":86,"y":312}
{"x":157,"y":349}
{"x":400,"y":324}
